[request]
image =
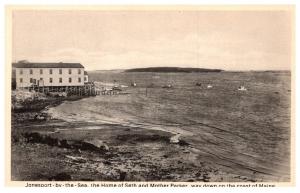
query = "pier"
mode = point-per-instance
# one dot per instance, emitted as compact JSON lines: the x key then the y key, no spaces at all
{"x":89,"y":89}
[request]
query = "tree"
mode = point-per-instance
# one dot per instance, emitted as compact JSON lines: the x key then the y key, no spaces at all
{"x":23,"y":61}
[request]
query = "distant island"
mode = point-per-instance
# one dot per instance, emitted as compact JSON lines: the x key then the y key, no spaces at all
{"x":172,"y":69}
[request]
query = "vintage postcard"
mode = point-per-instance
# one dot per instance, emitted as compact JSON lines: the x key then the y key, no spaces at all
{"x":150,"y":96}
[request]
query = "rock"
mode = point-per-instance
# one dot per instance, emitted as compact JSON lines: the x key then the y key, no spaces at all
{"x":98,"y":144}
{"x":77,"y":159}
{"x":122,"y":176}
{"x":107,"y":162}
{"x":49,"y":140}
{"x":175,"y":139}
{"x":206,"y":177}
{"x":64,"y":143}
{"x":36,"y":137}
{"x":183,"y":143}
{"x":58,"y":143}
{"x":40,"y":117}
{"x":200,"y":178}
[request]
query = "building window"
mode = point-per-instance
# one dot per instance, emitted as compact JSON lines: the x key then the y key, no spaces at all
{"x":79,"y":71}
{"x":21,"y":71}
{"x":41,"y":71}
{"x":60,"y":80}
{"x":31,"y":71}
{"x":21,"y":80}
{"x":50,"y":71}
{"x":41,"y":78}
{"x":31,"y":80}
{"x":70,"y":71}
{"x":60,"y":71}
{"x":79,"y":79}
{"x":70,"y":80}
{"x":50,"y":80}
{"x":84,"y":78}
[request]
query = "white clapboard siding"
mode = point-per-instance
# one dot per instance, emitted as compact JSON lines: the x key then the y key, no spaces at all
{"x":26,"y":76}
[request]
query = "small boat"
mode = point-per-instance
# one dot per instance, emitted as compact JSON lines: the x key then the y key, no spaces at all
{"x":242,"y":88}
{"x":133,"y":84}
{"x":123,"y":86}
{"x":198,"y":84}
{"x":209,"y":86}
{"x":167,"y":86}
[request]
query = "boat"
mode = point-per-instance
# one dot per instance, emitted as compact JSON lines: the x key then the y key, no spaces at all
{"x":242,"y":88}
{"x":167,"y":86}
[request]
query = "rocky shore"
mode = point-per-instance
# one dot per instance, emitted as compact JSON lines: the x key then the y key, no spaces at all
{"x":51,"y":149}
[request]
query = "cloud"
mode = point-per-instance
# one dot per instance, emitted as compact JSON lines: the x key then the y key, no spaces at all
{"x":231,"y":40}
{"x":212,"y":50}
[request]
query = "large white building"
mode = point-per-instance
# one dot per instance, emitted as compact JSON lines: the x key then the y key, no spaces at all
{"x":49,"y":74}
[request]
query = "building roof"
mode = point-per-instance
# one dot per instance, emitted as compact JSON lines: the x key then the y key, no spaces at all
{"x":47,"y":65}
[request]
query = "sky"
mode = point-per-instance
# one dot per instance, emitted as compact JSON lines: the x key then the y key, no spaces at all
{"x":103,"y":40}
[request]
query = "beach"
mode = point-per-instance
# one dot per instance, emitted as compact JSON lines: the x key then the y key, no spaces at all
{"x":185,"y":133}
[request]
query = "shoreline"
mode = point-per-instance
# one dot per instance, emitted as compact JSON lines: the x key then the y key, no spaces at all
{"x":85,"y":153}
{"x":109,"y":152}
